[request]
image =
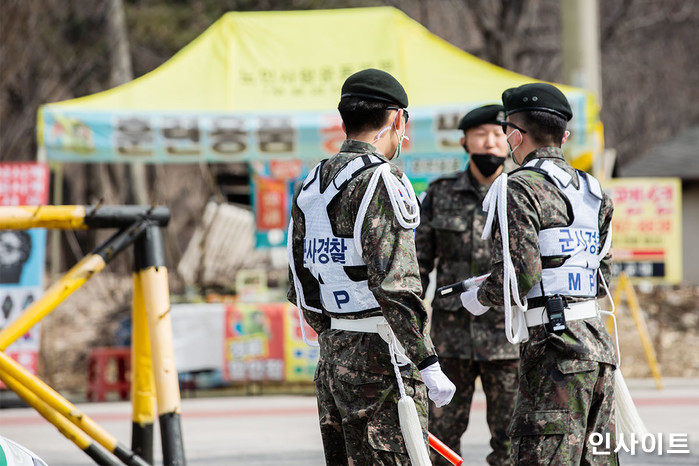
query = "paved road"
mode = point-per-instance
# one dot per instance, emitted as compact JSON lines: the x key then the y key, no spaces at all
{"x":283,"y":430}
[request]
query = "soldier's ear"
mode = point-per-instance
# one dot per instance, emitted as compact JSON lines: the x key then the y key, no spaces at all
{"x":565,"y":137}
{"x":462,"y":141}
{"x":344,"y":128}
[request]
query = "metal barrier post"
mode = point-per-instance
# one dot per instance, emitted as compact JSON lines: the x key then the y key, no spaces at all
{"x":640,"y":322}
{"x":142,"y":382}
{"x":9,"y":366}
{"x":624,"y":286}
{"x":156,"y":296}
{"x":64,"y":426}
{"x":152,"y":335}
{"x":71,"y":281}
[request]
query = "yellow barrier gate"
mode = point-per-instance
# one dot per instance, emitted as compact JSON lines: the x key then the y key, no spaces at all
{"x":624,"y":286}
{"x":154,"y":377}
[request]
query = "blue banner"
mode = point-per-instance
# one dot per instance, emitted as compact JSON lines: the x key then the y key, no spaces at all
{"x":70,"y":135}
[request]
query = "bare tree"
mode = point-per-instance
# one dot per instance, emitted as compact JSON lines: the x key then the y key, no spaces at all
{"x":649,"y":68}
{"x":49,"y":50}
{"x":649,"y":71}
{"x":122,"y":72}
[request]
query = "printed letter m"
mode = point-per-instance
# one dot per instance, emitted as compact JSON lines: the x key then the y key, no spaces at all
{"x":574,"y":281}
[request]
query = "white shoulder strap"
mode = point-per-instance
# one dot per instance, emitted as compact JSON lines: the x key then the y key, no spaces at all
{"x":515,"y":324}
{"x":594,"y":187}
{"x":562,"y":177}
{"x":403,"y":200}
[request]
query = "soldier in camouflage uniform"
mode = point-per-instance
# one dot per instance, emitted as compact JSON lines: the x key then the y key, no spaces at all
{"x":356,"y":385}
{"x":566,"y":381}
{"x":449,"y":236}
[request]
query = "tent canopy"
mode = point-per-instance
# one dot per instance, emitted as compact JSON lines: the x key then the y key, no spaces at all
{"x":265,"y":85}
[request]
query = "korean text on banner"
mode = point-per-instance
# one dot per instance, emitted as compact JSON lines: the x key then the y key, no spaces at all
{"x":254,"y":342}
{"x":22,"y":255}
{"x":647,"y":228}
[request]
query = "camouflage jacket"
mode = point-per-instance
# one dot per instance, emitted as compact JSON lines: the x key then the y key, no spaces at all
{"x":533,"y":203}
{"x":449,"y":235}
{"x":388,"y":249}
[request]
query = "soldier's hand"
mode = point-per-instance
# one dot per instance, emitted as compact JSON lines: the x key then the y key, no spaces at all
{"x":439,"y":388}
{"x":469,"y":300}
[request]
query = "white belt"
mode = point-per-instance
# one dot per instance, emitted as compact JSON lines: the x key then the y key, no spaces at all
{"x":377,"y":324}
{"x":574,"y":311}
{"x":366,"y":325}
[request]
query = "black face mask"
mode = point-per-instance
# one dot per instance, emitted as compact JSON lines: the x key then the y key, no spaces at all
{"x":487,"y":163}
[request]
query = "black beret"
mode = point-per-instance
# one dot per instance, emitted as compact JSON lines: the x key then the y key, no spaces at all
{"x":487,"y":114}
{"x":377,"y":85}
{"x":537,"y":96}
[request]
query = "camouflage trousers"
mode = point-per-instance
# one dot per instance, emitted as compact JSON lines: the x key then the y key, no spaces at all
{"x":499,"y":380}
{"x":358,"y":414}
{"x":560,"y":403}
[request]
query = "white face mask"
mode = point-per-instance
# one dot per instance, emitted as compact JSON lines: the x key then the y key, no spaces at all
{"x":513,"y":149}
{"x":400,"y":144}
{"x":396,"y":154}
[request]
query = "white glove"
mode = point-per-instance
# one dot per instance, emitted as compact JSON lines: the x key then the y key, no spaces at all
{"x":439,"y":387}
{"x":469,"y":299}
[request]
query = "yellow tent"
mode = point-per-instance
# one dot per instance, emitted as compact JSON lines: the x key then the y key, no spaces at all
{"x":265,"y":86}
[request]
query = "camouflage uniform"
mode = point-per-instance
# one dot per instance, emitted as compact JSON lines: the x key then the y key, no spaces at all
{"x":566,"y":381}
{"x":449,"y":234}
{"x":355,"y":381}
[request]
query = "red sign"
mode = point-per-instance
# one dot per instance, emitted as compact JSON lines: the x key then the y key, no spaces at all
{"x":271,"y":204}
{"x":23,"y":184}
{"x":254,"y":342}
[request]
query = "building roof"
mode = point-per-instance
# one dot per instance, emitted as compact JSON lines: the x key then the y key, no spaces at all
{"x":677,"y":157}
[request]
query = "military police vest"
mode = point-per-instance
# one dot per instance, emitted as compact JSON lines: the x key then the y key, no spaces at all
{"x":578,"y":242}
{"x":326,"y":255}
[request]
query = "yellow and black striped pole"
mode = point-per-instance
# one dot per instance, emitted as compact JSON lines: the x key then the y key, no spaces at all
{"x":64,"y":426}
{"x":71,"y":281}
{"x":133,"y":221}
{"x":142,"y":382}
{"x":78,"y":217}
{"x":156,"y":298}
{"x":9,"y":367}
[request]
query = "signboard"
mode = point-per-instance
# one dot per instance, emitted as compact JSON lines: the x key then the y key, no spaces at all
{"x":301,"y":359}
{"x":647,"y":228}
{"x":246,"y":342}
{"x":123,"y":136}
{"x":22,"y":255}
{"x":254,"y":342}
{"x":197,"y":336}
{"x":272,"y":203}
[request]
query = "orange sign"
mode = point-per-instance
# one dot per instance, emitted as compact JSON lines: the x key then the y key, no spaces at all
{"x":647,"y":228}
